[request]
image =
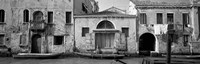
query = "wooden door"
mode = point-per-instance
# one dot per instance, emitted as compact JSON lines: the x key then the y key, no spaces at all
{"x":104,"y":40}
{"x":36,"y":44}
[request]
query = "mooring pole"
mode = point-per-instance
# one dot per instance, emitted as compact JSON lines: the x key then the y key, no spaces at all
{"x":170,"y":35}
{"x":169,"y":48}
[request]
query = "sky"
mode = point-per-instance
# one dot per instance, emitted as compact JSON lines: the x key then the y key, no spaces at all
{"x":105,"y":4}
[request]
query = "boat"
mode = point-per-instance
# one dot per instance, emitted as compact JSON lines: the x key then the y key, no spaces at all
{"x":163,"y":60}
{"x":93,"y":55}
{"x":37,"y":55}
{"x":185,"y":56}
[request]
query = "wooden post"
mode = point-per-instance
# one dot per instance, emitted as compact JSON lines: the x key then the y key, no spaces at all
{"x":169,"y":48}
{"x":170,"y":33}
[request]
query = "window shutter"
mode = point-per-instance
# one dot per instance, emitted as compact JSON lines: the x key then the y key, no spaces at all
{"x":87,"y":41}
{"x":117,"y":40}
{"x":90,"y":42}
{"x":123,"y":42}
{"x":50,"y":43}
{"x":92,"y":39}
{"x":23,"y":39}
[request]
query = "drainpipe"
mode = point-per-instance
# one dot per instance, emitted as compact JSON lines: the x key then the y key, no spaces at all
{"x":137,"y":28}
{"x":29,"y":36}
{"x":74,"y":46}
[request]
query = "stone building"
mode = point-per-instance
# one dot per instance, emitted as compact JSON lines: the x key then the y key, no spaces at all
{"x":154,"y":19}
{"x":47,"y":26}
{"x":85,"y":6}
{"x":108,"y":31}
{"x":38,"y":26}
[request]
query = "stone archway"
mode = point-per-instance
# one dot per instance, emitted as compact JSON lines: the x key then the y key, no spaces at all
{"x":104,"y":39}
{"x":36,"y":43}
{"x":147,"y":43}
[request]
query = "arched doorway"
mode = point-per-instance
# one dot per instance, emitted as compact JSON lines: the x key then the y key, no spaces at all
{"x":146,"y":43}
{"x":36,"y":43}
{"x":37,"y":16}
{"x":104,"y":39}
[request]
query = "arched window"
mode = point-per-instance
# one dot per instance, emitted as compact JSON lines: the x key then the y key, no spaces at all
{"x":105,"y":25}
{"x":26,"y":15}
{"x":38,"y":16}
{"x":2,"y":15}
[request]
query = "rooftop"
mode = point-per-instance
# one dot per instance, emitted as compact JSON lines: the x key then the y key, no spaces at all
{"x":162,"y":2}
{"x":110,"y":12}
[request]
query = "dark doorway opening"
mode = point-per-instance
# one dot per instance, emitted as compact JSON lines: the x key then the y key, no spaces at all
{"x":146,"y":44}
{"x":36,"y":44}
{"x":199,"y":21}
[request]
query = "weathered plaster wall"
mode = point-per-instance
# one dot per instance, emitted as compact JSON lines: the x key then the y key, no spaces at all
{"x":151,"y":14}
{"x":15,"y":26}
{"x":178,"y":46}
{"x":92,"y":24}
{"x":195,"y":22}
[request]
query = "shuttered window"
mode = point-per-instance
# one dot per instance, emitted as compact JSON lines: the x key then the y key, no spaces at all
{"x":2,"y":15}
{"x":159,"y":18}
{"x":26,"y":15}
{"x":68,"y":17}
{"x":143,"y":18}
{"x":50,"y":17}
{"x":185,"y":18}
{"x":170,"y":18}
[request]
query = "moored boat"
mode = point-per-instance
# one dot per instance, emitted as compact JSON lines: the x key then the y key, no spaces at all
{"x":37,"y":55}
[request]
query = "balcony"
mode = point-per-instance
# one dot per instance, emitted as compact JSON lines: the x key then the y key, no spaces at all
{"x":37,"y":25}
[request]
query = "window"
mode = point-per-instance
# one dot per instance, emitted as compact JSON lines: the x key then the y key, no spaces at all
{"x":2,"y":15}
{"x":185,"y":25}
{"x":159,"y":18}
{"x":2,"y":39}
{"x":84,"y":31}
{"x":68,"y":17}
{"x":170,"y":18}
{"x":58,"y":40}
{"x":105,"y":25}
{"x":50,"y":17}
{"x":126,"y":31}
{"x":37,"y":16}
{"x":185,"y":18}
{"x":26,"y":15}
{"x":143,"y":18}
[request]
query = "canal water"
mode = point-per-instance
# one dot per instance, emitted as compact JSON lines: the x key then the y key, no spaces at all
{"x":10,"y":60}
